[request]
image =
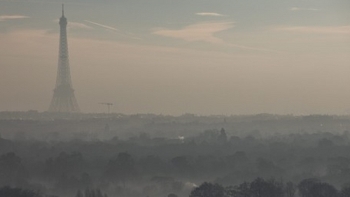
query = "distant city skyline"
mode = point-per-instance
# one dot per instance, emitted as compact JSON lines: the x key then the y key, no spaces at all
{"x":175,"y":57}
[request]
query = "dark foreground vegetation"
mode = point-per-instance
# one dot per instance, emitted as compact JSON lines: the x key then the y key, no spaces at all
{"x":157,"y":156}
{"x":271,"y":188}
{"x":257,"y":188}
{"x":18,"y":192}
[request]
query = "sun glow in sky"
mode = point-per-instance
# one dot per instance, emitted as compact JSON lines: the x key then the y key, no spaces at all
{"x":180,"y":56}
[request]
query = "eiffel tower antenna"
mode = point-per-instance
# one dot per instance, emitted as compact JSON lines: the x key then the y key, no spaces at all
{"x":62,"y":9}
{"x":63,"y":99}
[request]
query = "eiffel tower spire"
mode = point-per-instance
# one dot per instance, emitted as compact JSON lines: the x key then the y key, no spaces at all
{"x":63,"y":99}
{"x":62,"y":10}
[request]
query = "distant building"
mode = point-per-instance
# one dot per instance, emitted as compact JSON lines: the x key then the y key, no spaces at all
{"x":63,"y":99}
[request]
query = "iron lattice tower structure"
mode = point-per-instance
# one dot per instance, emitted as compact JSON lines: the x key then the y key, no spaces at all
{"x":63,"y":99}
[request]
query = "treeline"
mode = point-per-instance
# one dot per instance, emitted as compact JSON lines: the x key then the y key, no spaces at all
{"x":271,"y":188}
{"x":150,"y":166}
{"x":64,"y":127}
{"x":18,"y":192}
{"x":258,"y":188}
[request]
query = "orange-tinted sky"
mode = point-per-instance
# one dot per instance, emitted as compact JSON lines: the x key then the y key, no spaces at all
{"x":180,"y":56}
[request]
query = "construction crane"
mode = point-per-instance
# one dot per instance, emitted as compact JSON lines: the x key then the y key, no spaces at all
{"x":109,"y":105}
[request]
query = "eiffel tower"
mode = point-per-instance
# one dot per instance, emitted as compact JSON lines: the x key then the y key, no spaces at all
{"x":63,"y":99}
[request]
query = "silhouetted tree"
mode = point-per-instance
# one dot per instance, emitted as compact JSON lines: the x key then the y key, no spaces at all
{"x":64,"y":163}
{"x":91,"y":193}
{"x":18,"y":192}
{"x":305,"y":187}
{"x":290,"y":189}
{"x":324,"y":190}
{"x":222,"y":137}
{"x":208,"y":190}
{"x":67,"y":183}
{"x":182,"y":164}
{"x":258,"y":188}
{"x":121,"y":168}
{"x":314,"y":188}
{"x":152,"y":165}
{"x":261,"y":188}
{"x":345,"y":192}
{"x":11,"y":169}
{"x":172,"y":195}
{"x":243,"y":190}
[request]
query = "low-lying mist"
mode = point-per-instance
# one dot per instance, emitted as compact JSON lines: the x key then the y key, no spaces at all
{"x":156,"y":155}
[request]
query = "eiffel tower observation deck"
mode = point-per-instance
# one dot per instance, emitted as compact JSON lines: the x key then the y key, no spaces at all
{"x":63,"y":99}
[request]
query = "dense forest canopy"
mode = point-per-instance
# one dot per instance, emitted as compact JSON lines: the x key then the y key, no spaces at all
{"x":155,"y":155}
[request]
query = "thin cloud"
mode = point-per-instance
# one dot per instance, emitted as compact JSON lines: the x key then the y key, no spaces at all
{"x":129,"y":35}
{"x":197,"y":32}
{"x":315,"y":29}
{"x":295,"y":9}
{"x":104,"y":26}
{"x":75,"y":25}
{"x":205,"y":32}
{"x":252,"y":48}
{"x":209,"y":14}
{"x":12,"y":17}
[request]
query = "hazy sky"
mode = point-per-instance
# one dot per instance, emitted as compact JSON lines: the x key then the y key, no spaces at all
{"x":180,"y":56}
